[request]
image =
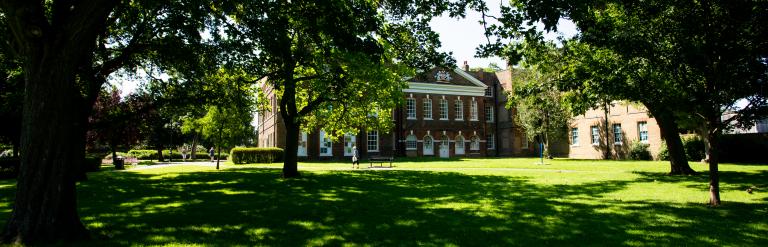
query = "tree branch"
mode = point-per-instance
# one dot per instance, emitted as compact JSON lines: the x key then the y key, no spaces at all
{"x":313,"y":105}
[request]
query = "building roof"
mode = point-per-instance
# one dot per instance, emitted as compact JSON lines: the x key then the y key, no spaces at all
{"x":446,"y":81}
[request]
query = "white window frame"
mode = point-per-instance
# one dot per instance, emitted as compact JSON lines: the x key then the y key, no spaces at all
{"x":575,"y":136}
{"x":427,"y":109}
{"x":328,"y":144}
{"x":372,"y":141}
{"x":642,"y":128}
{"x":443,"y":109}
{"x":474,"y":144}
{"x":617,"y":136}
{"x":489,"y":91}
{"x":411,"y":142}
{"x":490,"y":143}
{"x":595,"y":134}
{"x":458,"y":106}
{"x":473,"y":110}
{"x":410,"y":108}
{"x":489,"y":114}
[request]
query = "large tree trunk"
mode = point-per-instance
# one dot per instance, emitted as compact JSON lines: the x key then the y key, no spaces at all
{"x":160,"y":157}
{"x":56,"y":42}
{"x":52,"y":149}
{"x":290,"y":159}
{"x":670,"y":132}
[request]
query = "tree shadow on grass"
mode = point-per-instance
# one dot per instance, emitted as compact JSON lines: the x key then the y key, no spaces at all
{"x":252,"y":207}
{"x":728,"y":179}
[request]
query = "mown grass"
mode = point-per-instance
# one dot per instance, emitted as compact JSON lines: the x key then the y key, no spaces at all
{"x":477,"y":202}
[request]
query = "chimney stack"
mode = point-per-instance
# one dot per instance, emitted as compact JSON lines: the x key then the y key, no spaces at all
{"x":466,"y":66}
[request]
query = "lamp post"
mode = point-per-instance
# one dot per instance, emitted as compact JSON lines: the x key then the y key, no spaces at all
{"x":173,"y":126}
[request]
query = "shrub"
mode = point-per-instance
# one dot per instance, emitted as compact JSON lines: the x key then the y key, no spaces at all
{"x":143,"y":154}
{"x":639,"y":151}
{"x":694,"y":147}
{"x":663,"y":152}
{"x":256,"y":155}
{"x":109,"y":156}
{"x":9,"y":167}
{"x":92,"y":162}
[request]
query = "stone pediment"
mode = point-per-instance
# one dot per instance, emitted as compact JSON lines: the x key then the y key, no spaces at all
{"x":447,"y":76}
{"x":446,"y":81}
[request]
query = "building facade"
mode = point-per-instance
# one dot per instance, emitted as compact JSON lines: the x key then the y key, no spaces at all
{"x":447,"y":113}
{"x":627,"y":123}
{"x":461,"y":113}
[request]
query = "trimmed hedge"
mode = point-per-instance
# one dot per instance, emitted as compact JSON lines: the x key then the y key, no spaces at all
{"x":744,"y":148}
{"x":142,"y":154}
{"x":148,"y":154}
{"x":256,"y":155}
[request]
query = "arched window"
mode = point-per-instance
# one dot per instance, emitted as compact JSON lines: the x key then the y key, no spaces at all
{"x":459,"y":144}
{"x":429,"y":146}
{"x":474,"y":143}
{"x":410,"y":142}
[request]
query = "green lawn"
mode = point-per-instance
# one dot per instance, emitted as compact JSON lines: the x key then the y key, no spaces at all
{"x":478,"y":202}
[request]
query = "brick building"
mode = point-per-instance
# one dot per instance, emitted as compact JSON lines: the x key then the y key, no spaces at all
{"x":447,"y":113}
{"x":461,"y":113}
{"x":627,"y":123}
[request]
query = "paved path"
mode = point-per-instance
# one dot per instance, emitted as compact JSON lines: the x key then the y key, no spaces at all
{"x":375,"y":168}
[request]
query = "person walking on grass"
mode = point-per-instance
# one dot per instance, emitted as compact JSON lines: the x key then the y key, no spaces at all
{"x":210,"y":153}
{"x":355,"y":158}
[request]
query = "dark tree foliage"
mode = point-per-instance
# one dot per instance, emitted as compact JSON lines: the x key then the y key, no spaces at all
{"x":335,"y":64}
{"x":707,"y":55}
{"x":11,"y":93}
{"x":67,"y":50}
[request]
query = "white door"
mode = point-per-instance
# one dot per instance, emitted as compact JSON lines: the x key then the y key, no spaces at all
{"x":460,"y":145}
{"x":302,"y":151}
{"x":429,"y":146}
{"x":444,"y":148}
{"x":349,"y":141}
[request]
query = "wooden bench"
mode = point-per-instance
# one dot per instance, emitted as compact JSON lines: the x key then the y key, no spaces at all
{"x":380,"y":159}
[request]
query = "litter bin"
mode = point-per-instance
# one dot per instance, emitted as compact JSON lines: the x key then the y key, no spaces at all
{"x":119,"y":163}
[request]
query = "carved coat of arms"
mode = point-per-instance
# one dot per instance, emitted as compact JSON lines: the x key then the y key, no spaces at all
{"x":443,"y":75}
